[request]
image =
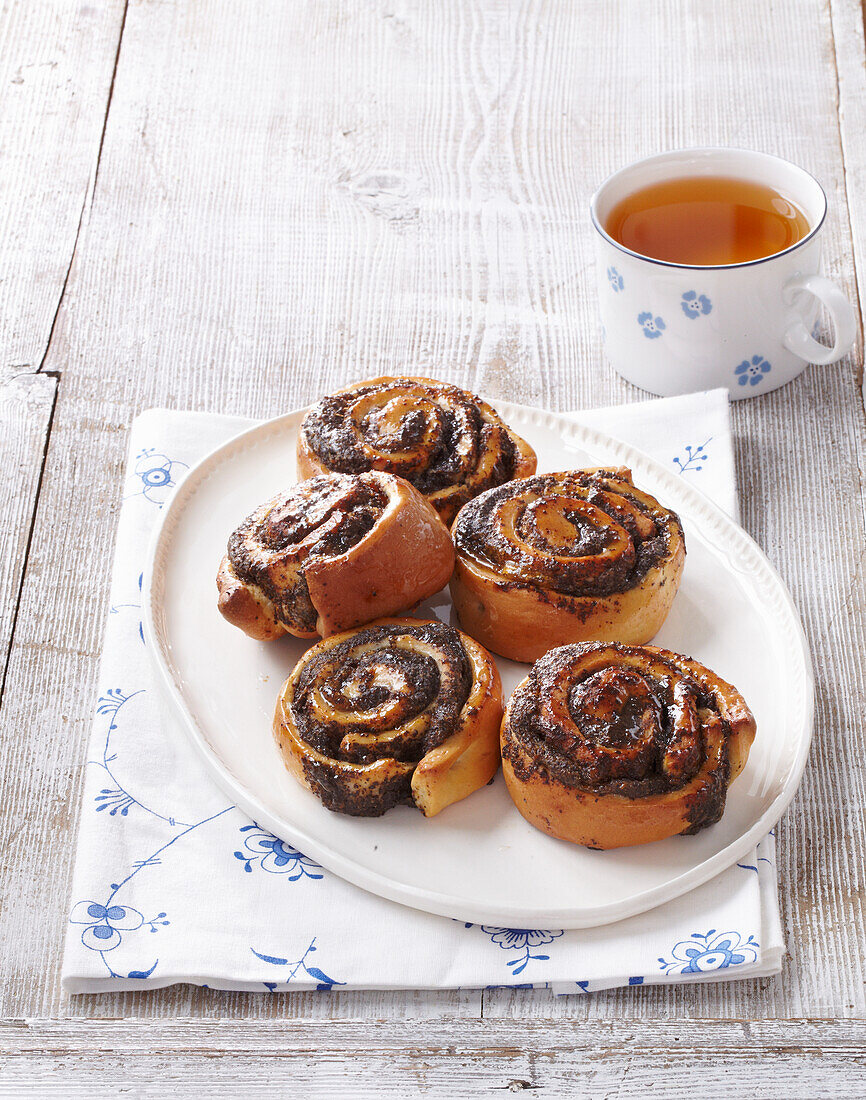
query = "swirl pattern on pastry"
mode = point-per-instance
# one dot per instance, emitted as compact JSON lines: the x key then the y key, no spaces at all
{"x":557,"y":558}
{"x":447,"y":442}
{"x":609,"y":745}
{"x":402,"y":711}
{"x":333,"y":552}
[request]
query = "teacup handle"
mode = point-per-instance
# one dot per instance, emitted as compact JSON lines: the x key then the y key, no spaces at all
{"x":798,"y":339}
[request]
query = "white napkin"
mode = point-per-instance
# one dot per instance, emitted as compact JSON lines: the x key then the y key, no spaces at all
{"x":172,"y":884}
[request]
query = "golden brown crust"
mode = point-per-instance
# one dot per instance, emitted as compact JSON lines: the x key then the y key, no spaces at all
{"x":331,"y":553}
{"x":308,"y":463}
{"x":446,"y":441}
{"x":615,"y":745}
{"x":246,"y":606}
{"x":400,"y":711}
{"x":577,"y":556}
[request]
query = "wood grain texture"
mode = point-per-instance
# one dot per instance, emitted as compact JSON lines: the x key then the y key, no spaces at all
{"x":55,"y":71}
{"x":848,"y":25}
{"x":26,"y":404}
{"x":448,"y":1058}
{"x":322,"y":191}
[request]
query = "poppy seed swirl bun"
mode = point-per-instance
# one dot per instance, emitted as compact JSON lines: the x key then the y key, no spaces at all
{"x":447,"y":442}
{"x":402,"y":711}
{"x":609,"y":745}
{"x":556,"y":558}
{"x":331,"y":553}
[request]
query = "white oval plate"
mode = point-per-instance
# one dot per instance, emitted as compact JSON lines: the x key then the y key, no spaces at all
{"x":479,"y":860}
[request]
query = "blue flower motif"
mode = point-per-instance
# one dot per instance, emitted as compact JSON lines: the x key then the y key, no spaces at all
{"x":710,"y":951}
{"x":520,"y":940}
{"x":696,"y":455}
{"x":615,"y":279}
{"x":116,"y":608}
{"x":652,"y":327}
{"x":155,"y":475}
{"x":116,"y":799}
{"x":104,"y":923}
{"x":323,"y":982}
{"x":275,"y":856}
{"x":752,"y":370}
{"x":694,"y":304}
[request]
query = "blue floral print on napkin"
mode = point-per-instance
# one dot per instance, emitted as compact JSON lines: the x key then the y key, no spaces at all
{"x":274,"y":855}
{"x":695,"y":457}
{"x":521,"y":942}
{"x":296,"y":966}
{"x":711,"y":950}
{"x":155,"y":475}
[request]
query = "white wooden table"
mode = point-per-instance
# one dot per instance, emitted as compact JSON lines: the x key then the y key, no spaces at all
{"x":233,"y":207}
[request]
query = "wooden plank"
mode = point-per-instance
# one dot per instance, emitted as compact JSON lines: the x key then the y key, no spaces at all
{"x":598,"y":1075}
{"x":316,"y":193}
{"x":56,"y":67}
{"x":26,"y":404}
{"x":594,"y":1075}
{"x":848,"y":18}
{"x":56,"y":1037}
{"x":450,"y":1058}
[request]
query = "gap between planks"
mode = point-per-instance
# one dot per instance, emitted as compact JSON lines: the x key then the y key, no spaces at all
{"x":27,"y":403}
{"x":88,"y":197}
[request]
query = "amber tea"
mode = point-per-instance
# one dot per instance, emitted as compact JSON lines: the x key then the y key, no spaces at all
{"x":706,"y":221}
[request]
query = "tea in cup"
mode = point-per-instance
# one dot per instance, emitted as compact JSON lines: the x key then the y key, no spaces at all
{"x":708,"y":272}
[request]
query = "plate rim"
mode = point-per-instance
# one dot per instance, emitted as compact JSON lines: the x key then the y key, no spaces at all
{"x":743,"y":547}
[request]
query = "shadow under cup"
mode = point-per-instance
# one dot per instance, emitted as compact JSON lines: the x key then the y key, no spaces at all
{"x":749,"y":327}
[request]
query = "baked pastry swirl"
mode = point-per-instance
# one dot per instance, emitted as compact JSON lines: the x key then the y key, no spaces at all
{"x":447,"y":442}
{"x":402,"y":711}
{"x":567,"y":557}
{"x":333,"y":552}
{"x":608,"y":745}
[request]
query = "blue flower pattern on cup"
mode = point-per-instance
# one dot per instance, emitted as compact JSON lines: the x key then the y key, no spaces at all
{"x":710,"y":951}
{"x":652,"y":327}
{"x":694,"y":304}
{"x":751,"y":371}
{"x":615,"y":279}
{"x":274,"y":855}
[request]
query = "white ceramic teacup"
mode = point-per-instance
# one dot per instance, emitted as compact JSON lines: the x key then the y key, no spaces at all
{"x":676,"y":328}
